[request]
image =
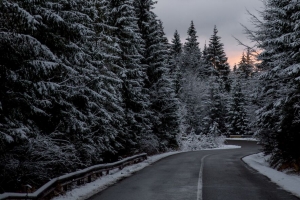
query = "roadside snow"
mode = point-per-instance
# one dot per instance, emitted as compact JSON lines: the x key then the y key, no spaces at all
{"x":288,"y":182}
{"x":90,"y":189}
{"x":85,"y":191}
{"x":226,"y":147}
{"x":246,"y":139}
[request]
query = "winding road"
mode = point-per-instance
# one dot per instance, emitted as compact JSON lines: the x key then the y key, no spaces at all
{"x":200,"y":175}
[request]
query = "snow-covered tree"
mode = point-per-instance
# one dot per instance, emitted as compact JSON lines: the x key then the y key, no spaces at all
{"x":192,"y":54}
{"x":215,"y":120}
{"x":217,"y":57}
{"x":276,"y":35}
{"x":123,"y":18}
{"x":176,"y":50}
{"x":206,"y":69}
{"x":246,"y":65}
{"x":163,"y":99}
{"x":237,"y":120}
{"x":176,"y":47}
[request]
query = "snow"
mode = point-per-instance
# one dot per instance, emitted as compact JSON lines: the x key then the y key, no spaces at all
{"x":289,"y":182}
{"x":90,"y":189}
{"x":226,"y":147}
{"x":245,"y":139}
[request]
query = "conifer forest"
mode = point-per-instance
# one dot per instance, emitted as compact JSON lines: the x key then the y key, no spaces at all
{"x":84,"y":82}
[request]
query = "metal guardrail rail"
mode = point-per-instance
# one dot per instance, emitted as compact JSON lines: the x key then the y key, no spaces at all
{"x":64,"y":183}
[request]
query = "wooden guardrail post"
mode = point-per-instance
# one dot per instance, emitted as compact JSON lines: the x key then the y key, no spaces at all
{"x":89,"y":178}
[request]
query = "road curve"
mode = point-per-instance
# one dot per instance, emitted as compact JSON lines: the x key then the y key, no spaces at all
{"x":207,"y":175}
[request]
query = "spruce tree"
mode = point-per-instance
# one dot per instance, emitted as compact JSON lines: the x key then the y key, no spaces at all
{"x":70,"y":99}
{"x":122,"y":17}
{"x":206,"y":68}
{"x":278,"y":124}
{"x":246,"y":65}
{"x":176,"y":46}
{"x":31,"y":77}
{"x":164,"y":103}
{"x":176,"y":50}
{"x":192,"y":53}
{"x":237,"y":116}
{"x":217,"y":57}
{"x":215,"y":121}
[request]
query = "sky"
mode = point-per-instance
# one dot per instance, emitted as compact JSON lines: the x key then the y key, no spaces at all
{"x":227,"y":15}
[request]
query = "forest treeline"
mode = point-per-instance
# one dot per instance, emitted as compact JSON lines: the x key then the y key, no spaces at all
{"x":84,"y":82}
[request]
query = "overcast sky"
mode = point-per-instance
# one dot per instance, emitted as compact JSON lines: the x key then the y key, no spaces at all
{"x":227,"y":15}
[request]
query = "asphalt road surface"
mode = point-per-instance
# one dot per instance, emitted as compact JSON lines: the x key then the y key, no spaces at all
{"x":201,"y":175}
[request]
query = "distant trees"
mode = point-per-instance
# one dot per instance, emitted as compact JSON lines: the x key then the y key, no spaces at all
{"x":246,"y":65}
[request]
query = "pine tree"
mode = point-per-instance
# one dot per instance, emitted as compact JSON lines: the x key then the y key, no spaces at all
{"x":164,"y":103}
{"x":122,"y":17}
{"x":176,"y":52}
{"x":206,"y":68}
{"x":70,"y":100}
{"x":237,"y":117}
{"x":31,"y":85}
{"x":192,"y":53}
{"x":176,"y":45}
{"x":190,"y":63}
{"x":276,"y":36}
{"x":217,"y":57}
{"x":246,"y":65}
{"x":215,"y":121}
{"x":104,"y":87}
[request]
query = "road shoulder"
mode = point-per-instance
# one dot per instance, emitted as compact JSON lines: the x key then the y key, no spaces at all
{"x":288,"y":182}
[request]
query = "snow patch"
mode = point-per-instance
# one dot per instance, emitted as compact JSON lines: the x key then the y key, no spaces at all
{"x":244,"y":139}
{"x":288,"y":182}
{"x":226,"y":147}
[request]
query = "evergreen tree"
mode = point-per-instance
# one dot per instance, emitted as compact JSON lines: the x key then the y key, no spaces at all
{"x":235,"y":68}
{"x":122,"y":17}
{"x":237,"y":117}
{"x":192,"y":53}
{"x":190,"y":66}
{"x":215,"y":121}
{"x":206,"y":68}
{"x":246,"y":65}
{"x":176,"y":45}
{"x":31,"y":84}
{"x":278,"y":124}
{"x":70,"y":101}
{"x":176,"y":52}
{"x":217,"y":57}
{"x":164,"y":103}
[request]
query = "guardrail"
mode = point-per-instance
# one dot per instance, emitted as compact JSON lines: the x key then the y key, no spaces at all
{"x":64,"y":183}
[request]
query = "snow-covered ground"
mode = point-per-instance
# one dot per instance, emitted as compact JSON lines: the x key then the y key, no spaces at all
{"x":246,"y":139}
{"x":225,"y":147}
{"x":288,"y":182}
{"x":89,"y":189}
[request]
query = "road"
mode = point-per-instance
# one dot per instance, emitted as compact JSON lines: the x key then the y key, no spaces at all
{"x":201,"y":175}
